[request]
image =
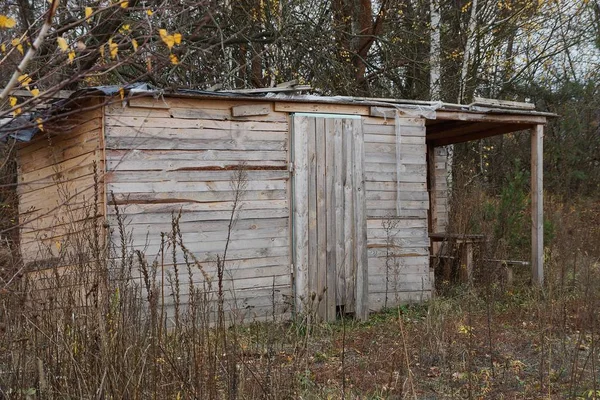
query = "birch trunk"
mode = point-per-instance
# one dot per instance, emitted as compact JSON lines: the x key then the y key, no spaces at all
{"x":434,"y":52}
{"x":468,"y":48}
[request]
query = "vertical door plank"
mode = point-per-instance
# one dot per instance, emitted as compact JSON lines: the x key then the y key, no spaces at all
{"x":321,"y":217}
{"x":312,"y":217}
{"x":338,"y":190}
{"x":360,"y":222}
{"x":332,"y":125}
{"x":301,"y":174}
{"x":349,"y":270}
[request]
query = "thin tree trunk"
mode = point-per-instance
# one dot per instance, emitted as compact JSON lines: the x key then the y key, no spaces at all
{"x":434,"y":52}
{"x":467,"y":54}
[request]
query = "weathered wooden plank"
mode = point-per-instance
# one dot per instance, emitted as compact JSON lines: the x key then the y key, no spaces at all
{"x":63,"y":166}
{"x":398,"y":252}
{"x":187,"y":165}
{"x":201,"y":155}
{"x":175,"y":187}
{"x":164,"y":143}
{"x":393,"y":205}
{"x":149,"y":122}
{"x":49,"y":151}
{"x":389,"y":129}
{"x":537,"y":205}
{"x":375,"y":235}
{"x":251,"y":109}
{"x":207,"y":226}
{"x":184,"y":207}
{"x":313,"y":259}
{"x":371,"y":139}
{"x":195,"y":176}
{"x":383,"y":112}
{"x":194,"y":197}
{"x":391,"y":186}
{"x":349,"y":219}
{"x":339,"y":172}
{"x":84,"y":172}
{"x":251,"y":248}
{"x":411,"y":264}
{"x":148,"y":218}
{"x":389,"y":213}
{"x":302,"y":127}
{"x":203,"y":133}
{"x":400,"y":147}
{"x":360,"y":224}
{"x":479,"y":117}
{"x":291,"y":107}
{"x":399,"y":223}
{"x":332,"y":126}
{"x":406,"y":121}
{"x":405,"y":158}
{"x":321,"y":192}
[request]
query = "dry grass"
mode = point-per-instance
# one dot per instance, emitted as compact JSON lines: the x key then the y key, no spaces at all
{"x":96,"y":327}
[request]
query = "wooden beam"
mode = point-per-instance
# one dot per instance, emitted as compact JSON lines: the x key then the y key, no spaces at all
{"x":460,"y":129}
{"x":537,"y":205}
{"x":517,"y":105}
{"x":500,"y":130}
{"x":507,"y":118}
{"x":383,"y":112}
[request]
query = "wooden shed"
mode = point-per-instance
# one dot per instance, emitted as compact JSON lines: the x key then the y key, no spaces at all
{"x":340,"y":195}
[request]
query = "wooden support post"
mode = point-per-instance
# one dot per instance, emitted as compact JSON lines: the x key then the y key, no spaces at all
{"x":537,"y":205}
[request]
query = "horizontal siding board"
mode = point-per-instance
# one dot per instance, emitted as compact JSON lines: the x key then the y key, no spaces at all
{"x":194,"y":197}
{"x":168,"y":143}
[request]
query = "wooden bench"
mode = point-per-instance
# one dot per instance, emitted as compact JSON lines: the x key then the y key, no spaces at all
{"x":465,"y":243}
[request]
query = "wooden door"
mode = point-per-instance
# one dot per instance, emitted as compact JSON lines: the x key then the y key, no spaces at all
{"x":329,"y":212}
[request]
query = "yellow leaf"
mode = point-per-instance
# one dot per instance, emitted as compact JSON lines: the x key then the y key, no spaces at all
{"x":6,"y":22}
{"x":149,"y":12}
{"x":40,"y":124}
{"x":17,"y":111}
{"x":122,"y":93}
{"x":134,"y":43}
{"x":58,"y":245}
{"x":124,"y":4}
{"x":24,"y":80}
{"x":113,"y":48}
{"x":12,"y":101}
{"x":17,"y":43}
{"x":88,"y":12}
{"x":125,"y":27}
{"x":35,"y":92}
{"x":71,"y":56}
{"x":177,"y":38}
{"x":101,"y":50}
{"x":174,"y":59}
{"x":62,"y":43}
{"x":169,"y":40}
